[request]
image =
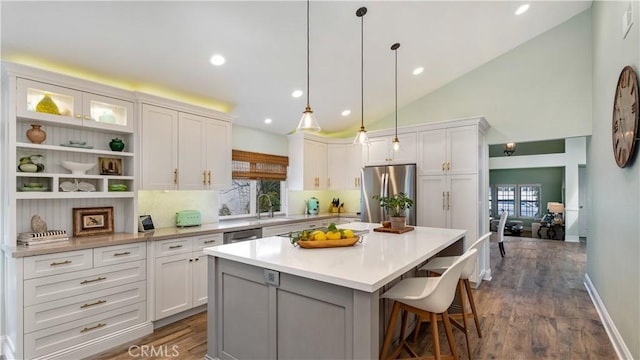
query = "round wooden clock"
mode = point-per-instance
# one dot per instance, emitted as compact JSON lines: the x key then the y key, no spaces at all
{"x":624,"y":125}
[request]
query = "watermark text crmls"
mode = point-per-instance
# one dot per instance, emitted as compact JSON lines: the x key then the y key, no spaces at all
{"x":145,"y":351}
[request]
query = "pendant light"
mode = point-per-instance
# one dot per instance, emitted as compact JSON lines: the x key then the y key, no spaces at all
{"x":396,"y":142}
{"x":361,"y":136}
{"x":308,"y":121}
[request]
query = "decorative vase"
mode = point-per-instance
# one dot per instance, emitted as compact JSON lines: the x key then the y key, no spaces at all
{"x":47,"y":105}
{"x":398,"y":222}
{"x":116,"y":145}
{"x":36,"y":135}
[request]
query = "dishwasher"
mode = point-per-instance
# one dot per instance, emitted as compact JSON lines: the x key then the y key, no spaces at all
{"x":241,"y":235}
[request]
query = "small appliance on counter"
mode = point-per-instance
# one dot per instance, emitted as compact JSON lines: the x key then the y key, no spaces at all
{"x":313,"y":206}
{"x":188,"y":218}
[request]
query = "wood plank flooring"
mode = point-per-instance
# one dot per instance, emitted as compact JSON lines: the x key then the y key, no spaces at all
{"x":536,"y":307}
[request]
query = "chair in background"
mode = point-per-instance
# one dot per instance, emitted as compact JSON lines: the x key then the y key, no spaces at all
{"x":426,"y":297}
{"x":501,"y":224}
{"x":441,"y":264}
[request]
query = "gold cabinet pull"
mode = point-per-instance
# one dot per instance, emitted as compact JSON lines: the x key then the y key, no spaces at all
{"x":100,"y":278}
{"x":204,"y":177}
{"x":93,"y":327}
{"x":87,"y":117}
{"x":93,"y":304}
{"x":209,"y":241}
{"x":78,"y":116}
{"x":122,"y":253}
{"x":175,"y":176}
{"x":175,"y":246}
{"x":443,"y":201}
{"x":60,"y":263}
{"x":448,"y":201}
{"x":448,"y":165}
{"x":209,"y":174}
{"x":442,"y":166}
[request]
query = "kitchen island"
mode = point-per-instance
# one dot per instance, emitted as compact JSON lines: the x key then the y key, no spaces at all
{"x":269,"y":299}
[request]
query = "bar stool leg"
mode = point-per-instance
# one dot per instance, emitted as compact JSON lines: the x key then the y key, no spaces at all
{"x":390,"y":326}
{"x":465,"y":324}
{"x":473,"y":306}
{"x":447,"y":329}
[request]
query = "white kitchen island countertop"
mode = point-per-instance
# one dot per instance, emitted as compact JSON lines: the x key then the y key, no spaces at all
{"x":366,"y":266}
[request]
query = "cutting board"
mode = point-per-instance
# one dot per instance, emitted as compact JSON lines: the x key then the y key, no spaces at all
{"x":394,"y":231}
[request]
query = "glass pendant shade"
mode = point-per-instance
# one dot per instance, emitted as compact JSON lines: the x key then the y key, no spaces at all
{"x":396,"y":144}
{"x":308,"y":121}
{"x":361,"y":137}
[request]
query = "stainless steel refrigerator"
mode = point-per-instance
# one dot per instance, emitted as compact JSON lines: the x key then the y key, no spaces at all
{"x":386,"y":180}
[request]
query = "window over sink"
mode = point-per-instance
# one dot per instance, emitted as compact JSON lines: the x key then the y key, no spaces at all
{"x":240,"y":200}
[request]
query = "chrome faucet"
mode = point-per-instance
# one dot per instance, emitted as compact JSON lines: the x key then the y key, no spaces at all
{"x":270,"y":205}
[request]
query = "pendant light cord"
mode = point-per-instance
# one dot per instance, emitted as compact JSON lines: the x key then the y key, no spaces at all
{"x":362,"y":72}
{"x":395,"y":48}
{"x":308,"y":53}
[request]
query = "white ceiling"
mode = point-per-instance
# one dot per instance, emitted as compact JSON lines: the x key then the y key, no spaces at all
{"x":166,"y":46}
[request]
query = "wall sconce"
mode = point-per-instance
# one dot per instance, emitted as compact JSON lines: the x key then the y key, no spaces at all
{"x":509,"y":148}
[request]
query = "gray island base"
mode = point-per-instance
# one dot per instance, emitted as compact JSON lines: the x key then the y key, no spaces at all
{"x":271,"y":300}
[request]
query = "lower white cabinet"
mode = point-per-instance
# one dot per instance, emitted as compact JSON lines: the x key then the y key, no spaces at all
{"x":180,"y":271}
{"x":73,"y":298}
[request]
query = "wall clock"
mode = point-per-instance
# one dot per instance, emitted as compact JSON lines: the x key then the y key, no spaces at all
{"x":624,"y":125}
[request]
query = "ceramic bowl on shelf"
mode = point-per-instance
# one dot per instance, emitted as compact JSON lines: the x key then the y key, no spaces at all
{"x":33,"y":185}
{"x":77,"y":168}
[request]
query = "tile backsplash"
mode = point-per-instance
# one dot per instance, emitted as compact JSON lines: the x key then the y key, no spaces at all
{"x":162,"y":205}
{"x":296,"y":200}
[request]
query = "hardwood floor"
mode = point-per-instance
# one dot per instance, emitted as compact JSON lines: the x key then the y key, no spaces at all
{"x":536,"y":307}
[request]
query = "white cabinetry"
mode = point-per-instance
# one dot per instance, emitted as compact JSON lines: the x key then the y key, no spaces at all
{"x":344,"y":162}
{"x":307,"y":163}
{"x":180,"y":274}
{"x":285,"y":229}
{"x":83,"y":296}
{"x":195,"y":149}
{"x":448,"y":151}
{"x":380,"y":150}
{"x":452,"y":182}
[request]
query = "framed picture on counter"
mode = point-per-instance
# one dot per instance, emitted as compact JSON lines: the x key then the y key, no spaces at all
{"x":92,"y":221}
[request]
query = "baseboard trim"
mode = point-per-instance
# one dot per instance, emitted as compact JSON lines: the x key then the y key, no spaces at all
{"x":617,"y":341}
{"x":101,"y":344}
{"x":179,"y":316}
{"x":572,"y":238}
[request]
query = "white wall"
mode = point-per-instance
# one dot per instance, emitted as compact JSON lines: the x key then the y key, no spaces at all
{"x":539,"y":90}
{"x":249,"y":139}
{"x":613,"y":247}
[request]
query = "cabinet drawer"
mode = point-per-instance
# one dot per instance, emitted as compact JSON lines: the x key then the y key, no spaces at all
{"x":54,"y":313}
{"x":202,"y":242}
{"x":119,"y":254}
{"x":49,"y":340}
{"x":41,"y":290}
{"x":60,"y":263}
{"x":173,"y":246}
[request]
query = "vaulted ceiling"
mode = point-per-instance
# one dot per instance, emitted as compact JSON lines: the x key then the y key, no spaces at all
{"x":164,"y":48}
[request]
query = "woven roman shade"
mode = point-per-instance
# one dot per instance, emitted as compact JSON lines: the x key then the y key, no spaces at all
{"x":257,"y":166}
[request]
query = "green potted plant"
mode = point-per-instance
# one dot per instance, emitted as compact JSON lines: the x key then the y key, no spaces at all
{"x":396,"y":207}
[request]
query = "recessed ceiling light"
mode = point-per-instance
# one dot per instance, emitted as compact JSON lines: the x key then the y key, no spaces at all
{"x":522,"y":9}
{"x":296,"y":93}
{"x":346,"y":113}
{"x":418,"y":71}
{"x":217,"y":60}
{"x":267,"y":121}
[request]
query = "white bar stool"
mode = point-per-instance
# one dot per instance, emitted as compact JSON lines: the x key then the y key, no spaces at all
{"x":441,"y":264}
{"x":425,"y":297}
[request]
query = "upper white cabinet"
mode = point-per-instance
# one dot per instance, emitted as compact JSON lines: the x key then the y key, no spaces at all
{"x":344,"y":162}
{"x":448,"y":151}
{"x":307,"y":164}
{"x":72,"y":107}
{"x":195,"y":150}
{"x":380,"y":150}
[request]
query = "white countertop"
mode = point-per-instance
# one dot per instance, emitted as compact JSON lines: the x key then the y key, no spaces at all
{"x":366,"y":266}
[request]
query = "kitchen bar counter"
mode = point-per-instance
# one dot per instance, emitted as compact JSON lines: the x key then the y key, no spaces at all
{"x":269,"y":299}
{"x":90,"y":242}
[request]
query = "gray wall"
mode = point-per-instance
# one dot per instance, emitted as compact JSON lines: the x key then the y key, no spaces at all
{"x":539,"y":90}
{"x":613,"y":246}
